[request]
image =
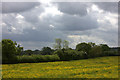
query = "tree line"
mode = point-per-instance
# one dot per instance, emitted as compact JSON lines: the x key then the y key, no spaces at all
{"x":14,"y":53}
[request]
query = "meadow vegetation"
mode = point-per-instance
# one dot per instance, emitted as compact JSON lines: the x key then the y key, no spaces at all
{"x":97,"y":61}
{"x":100,"y":67}
{"x":14,"y":53}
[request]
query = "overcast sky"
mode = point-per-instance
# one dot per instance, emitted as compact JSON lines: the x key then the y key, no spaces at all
{"x":37,"y":24}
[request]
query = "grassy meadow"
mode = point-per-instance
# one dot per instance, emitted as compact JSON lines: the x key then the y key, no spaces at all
{"x":101,"y":67}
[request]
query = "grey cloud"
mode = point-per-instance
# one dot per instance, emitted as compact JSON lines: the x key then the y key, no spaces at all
{"x":34,"y":35}
{"x":111,"y":36}
{"x":65,"y":24}
{"x":32,"y":16}
{"x":15,"y":7}
{"x":73,"y":8}
{"x":35,"y":45}
{"x":76,"y":23}
{"x":43,"y":32}
{"x":108,"y":6}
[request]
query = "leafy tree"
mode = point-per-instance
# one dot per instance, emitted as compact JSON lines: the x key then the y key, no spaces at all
{"x":19,"y":49}
{"x":70,"y":49}
{"x":83,"y":47}
{"x":104,"y":47}
{"x":8,"y":51}
{"x":95,"y":51}
{"x":91,"y":44}
{"x":0,"y":48}
{"x":36,"y":51}
{"x":0,"y":52}
{"x":65,"y":44}
{"x":28,"y":52}
{"x":58,"y":42}
{"x":46,"y":51}
{"x":69,"y":54}
{"x":60,"y":54}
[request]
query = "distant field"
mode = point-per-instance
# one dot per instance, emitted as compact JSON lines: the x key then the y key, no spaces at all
{"x":102,"y":67}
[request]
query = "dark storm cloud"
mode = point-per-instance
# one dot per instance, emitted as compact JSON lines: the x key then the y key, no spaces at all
{"x":32,"y":15}
{"x":73,"y":8}
{"x":34,"y":35}
{"x":108,"y":6}
{"x":76,"y":23}
{"x":15,"y":7}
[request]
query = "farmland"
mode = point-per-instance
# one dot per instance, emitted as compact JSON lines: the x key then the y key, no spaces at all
{"x":101,"y":67}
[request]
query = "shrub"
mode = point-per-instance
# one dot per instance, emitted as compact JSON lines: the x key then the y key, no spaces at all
{"x":47,"y":51}
{"x":70,"y":54}
{"x":59,"y":53}
{"x":110,"y":53}
{"x":104,"y":47}
{"x":74,"y":55}
{"x":95,"y":51}
{"x":37,"y":58}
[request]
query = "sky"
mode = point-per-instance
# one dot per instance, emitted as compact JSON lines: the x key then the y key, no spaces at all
{"x":35,"y":25}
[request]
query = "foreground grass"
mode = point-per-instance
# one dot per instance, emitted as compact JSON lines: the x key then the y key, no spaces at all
{"x":102,"y":67}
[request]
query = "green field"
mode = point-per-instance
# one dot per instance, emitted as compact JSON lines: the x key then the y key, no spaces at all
{"x":101,"y":67}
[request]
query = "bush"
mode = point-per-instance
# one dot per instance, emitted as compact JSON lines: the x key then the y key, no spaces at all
{"x":59,"y":53}
{"x":74,"y":55}
{"x":47,"y":51}
{"x":95,"y":51}
{"x":37,"y":58}
{"x":104,"y":47}
{"x":70,"y":54}
{"x":110,"y":53}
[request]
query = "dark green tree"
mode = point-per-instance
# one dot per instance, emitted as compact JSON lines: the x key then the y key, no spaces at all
{"x":95,"y":51}
{"x":0,"y":52}
{"x":36,"y":51}
{"x":46,"y":51}
{"x":8,"y":51}
{"x":83,"y":47}
{"x":19,"y":49}
{"x":91,"y":44}
{"x":0,"y":47}
{"x":104,"y":47}
{"x":28,"y":52}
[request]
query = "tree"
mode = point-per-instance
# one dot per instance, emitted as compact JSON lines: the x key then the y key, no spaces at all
{"x":19,"y":49}
{"x":104,"y":47}
{"x":65,"y":44}
{"x":8,"y":51}
{"x":83,"y":47}
{"x":91,"y":44}
{"x":36,"y":51}
{"x":0,"y":48}
{"x":0,"y":52}
{"x":95,"y":51}
{"x":46,"y":51}
{"x":58,"y":42}
{"x":28,"y":52}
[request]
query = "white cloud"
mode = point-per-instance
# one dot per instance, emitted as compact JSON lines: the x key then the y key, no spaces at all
{"x":19,"y":16}
{"x":51,"y":26}
{"x":34,"y":28}
{"x":3,"y":24}
{"x":76,"y":39}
